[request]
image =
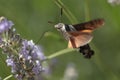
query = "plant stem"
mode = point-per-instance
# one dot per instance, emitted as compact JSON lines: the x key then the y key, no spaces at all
{"x":87,"y":11}
{"x":61,"y":52}
{"x":8,"y":77}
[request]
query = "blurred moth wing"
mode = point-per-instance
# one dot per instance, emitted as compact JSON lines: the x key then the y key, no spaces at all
{"x":83,"y":33}
{"x":79,"y":39}
{"x":90,"y":25}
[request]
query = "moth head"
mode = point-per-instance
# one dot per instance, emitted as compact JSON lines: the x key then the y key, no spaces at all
{"x":60,"y":26}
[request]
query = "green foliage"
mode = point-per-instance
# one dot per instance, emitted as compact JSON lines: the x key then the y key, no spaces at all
{"x":31,"y":20}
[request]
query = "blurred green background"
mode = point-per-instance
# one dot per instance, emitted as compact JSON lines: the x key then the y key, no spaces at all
{"x":31,"y":21}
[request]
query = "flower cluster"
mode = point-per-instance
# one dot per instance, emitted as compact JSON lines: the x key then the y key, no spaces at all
{"x":23,"y":56}
{"x":114,"y":2}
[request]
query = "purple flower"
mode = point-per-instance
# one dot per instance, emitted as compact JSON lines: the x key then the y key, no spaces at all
{"x":19,"y":77}
{"x":37,"y":68}
{"x":31,"y":56}
{"x":30,"y":49}
{"x":114,"y":2}
{"x":9,"y":62}
{"x":5,"y":24}
{"x":23,"y":56}
{"x":37,"y":53}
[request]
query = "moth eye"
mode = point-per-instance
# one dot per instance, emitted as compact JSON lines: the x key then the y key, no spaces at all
{"x":59,"y":26}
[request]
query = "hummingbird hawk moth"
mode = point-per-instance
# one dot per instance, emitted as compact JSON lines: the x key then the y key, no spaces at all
{"x":79,"y":35}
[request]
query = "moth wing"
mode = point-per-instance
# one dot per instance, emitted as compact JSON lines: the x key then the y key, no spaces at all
{"x":78,"y":39}
{"x":90,"y":25}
